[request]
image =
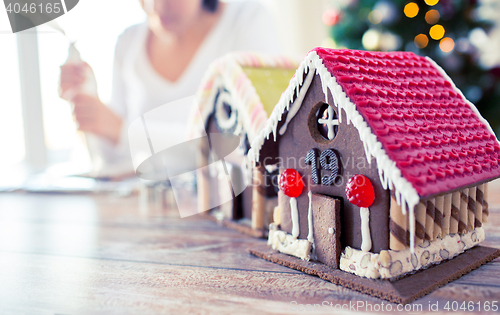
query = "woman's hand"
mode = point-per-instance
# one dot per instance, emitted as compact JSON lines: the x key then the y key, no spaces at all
{"x":71,"y":80}
{"x":95,"y":117}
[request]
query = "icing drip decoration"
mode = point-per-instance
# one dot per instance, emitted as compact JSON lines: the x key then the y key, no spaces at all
{"x":298,"y":101}
{"x":359,"y":191}
{"x":310,"y":236}
{"x":366,"y":243}
{"x":330,"y":121}
{"x":295,"y":217}
{"x":290,"y":182}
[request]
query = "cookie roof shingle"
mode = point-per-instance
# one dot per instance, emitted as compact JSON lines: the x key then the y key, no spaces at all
{"x":423,"y":122}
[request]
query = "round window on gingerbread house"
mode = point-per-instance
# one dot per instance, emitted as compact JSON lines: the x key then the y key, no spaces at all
{"x":323,"y":123}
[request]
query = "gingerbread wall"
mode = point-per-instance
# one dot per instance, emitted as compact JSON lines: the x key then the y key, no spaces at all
{"x":293,"y":147}
{"x":242,"y":204}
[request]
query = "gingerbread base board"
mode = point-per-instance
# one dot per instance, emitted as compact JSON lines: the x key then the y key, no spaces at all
{"x":404,"y":290}
{"x":239,"y":227}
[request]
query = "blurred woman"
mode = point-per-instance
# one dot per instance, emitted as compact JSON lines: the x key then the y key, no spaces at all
{"x":163,"y":60}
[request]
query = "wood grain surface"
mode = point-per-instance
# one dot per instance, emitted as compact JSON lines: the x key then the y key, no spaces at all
{"x":103,"y":254}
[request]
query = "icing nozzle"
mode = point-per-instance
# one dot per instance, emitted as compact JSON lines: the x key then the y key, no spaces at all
{"x":73,"y":54}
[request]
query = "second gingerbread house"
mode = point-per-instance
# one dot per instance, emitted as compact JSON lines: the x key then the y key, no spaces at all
{"x":237,"y":93}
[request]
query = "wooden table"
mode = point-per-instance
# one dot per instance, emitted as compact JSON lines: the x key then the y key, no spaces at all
{"x":104,"y":254}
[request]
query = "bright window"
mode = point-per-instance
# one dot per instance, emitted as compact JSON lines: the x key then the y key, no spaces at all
{"x":95,"y":25}
{"x":11,"y":122}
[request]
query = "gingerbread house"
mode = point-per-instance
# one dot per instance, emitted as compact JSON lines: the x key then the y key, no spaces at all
{"x":236,"y":95}
{"x":383,"y":170}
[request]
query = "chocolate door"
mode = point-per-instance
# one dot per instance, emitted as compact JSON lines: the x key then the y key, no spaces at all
{"x":326,"y":229}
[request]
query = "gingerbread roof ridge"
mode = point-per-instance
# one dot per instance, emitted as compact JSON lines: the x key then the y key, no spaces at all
{"x":390,"y":174}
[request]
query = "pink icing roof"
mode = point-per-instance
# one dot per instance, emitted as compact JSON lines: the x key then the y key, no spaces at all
{"x":426,"y":127}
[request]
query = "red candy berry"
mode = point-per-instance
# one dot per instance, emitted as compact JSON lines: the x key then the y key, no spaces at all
{"x":291,"y":183}
{"x":359,"y":191}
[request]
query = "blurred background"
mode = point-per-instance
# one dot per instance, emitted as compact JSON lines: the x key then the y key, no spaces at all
{"x":37,"y":131}
{"x":461,"y":36}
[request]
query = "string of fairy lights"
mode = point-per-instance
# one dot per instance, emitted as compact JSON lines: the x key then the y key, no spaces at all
{"x":462,"y":36}
{"x":381,"y":17}
{"x":436,"y":31}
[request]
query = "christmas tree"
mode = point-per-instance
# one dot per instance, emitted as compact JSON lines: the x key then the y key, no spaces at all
{"x":451,"y":32}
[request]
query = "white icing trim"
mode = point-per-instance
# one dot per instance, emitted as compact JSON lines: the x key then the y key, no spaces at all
{"x":398,"y":263}
{"x":310,"y":236}
{"x":390,"y":175}
{"x":298,"y":102}
{"x":295,"y":217}
{"x":412,"y":230}
{"x":222,"y":73}
{"x":366,"y":243}
{"x":287,"y":244}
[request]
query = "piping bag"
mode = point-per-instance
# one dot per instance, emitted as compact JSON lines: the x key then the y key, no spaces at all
{"x":89,"y":87}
